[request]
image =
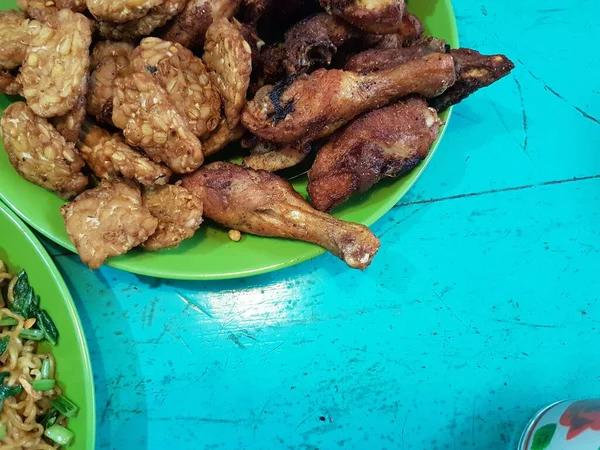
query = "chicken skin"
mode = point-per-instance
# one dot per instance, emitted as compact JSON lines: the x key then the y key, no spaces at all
{"x":258,"y":202}
{"x":314,"y":106}
{"x":273,"y":158}
{"x":375,"y":16}
{"x":387,"y":142}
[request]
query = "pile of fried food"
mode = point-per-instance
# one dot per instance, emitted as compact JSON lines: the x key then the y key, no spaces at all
{"x":126,"y":98}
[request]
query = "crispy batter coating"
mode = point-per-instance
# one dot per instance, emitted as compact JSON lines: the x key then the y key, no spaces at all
{"x":189,"y":27}
{"x":15,"y":35}
{"x":70,"y":124}
{"x":110,"y":158}
{"x":261,"y":203}
{"x":411,"y":29}
{"x":38,"y":9}
{"x":179,"y":215}
{"x":185,"y":78}
{"x":73,"y":5}
{"x":108,"y":221}
{"x":149,"y":120}
{"x":273,"y":158}
{"x":473,"y":71}
{"x":229,"y":59}
{"x":120,"y":11}
{"x":314,"y":106}
{"x":383,"y":143}
{"x":40,"y":154}
{"x":135,"y":29}
{"x":221,"y":137}
{"x":9,"y":83}
{"x":54,"y":73}
{"x":111,"y":60}
{"x":374,"y":16}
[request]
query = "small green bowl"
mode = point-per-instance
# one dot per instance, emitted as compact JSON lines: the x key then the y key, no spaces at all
{"x":210,"y":254}
{"x":20,"y":249}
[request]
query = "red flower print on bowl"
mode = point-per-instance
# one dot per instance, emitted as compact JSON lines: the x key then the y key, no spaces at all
{"x":580,"y":416}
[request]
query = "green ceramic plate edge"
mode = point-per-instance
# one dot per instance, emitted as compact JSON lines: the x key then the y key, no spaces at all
{"x":20,"y":249}
{"x":210,"y":255}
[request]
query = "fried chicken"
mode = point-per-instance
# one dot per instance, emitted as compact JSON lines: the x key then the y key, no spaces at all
{"x":314,"y":106}
{"x":374,"y":16}
{"x":473,"y":72}
{"x":411,"y":29}
{"x":273,"y":158}
{"x":387,"y":142}
{"x":221,"y":137}
{"x":111,"y":158}
{"x":189,"y":27}
{"x":258,"y":202}
{"x":39,"y":153}
{"x":179,"y":215}
{"x":108,"y":221}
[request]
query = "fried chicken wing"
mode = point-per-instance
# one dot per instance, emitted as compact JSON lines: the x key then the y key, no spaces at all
{"x":186,"y":80}
{"x":39,"y":153}
{"x":120,"y":11}
{"x":314,"y":106}
{"x":258,"y":202}
{"x":383,"y":143}
{"x":221,"y":137}
{"x":16,"y":32}
{"x":110,"y":60}
{"x":189,"y":27}
{"x":110,"y":158}
{"x":411,"y":29}
{"x":54,"y":73}
{"x":273,"y":158}
{"x":376,"y":59}
{"x":474,"y":71}
{"x":138,"y":28}
{"x":229,"y":60}
{"x":179,"y":215}
{"x":108,"y":221}
{"x":9,"y":83}
{"x":375,"y":16}
{"x":149,"y":120}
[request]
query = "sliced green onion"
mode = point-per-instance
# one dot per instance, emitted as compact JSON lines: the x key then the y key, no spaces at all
{"x":47,"y":370}
{"x":59,"y":434}
{"x":43,"y":385}
{"x":65,"y":406}
{"x":31,"y":334}
{"x":2,"y":430}
{"x":50,"y":418}
{"x":8,"y":322}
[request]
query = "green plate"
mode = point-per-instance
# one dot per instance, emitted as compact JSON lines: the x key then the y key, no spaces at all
{"x":210,"y":254}
{"x":21,"y":250}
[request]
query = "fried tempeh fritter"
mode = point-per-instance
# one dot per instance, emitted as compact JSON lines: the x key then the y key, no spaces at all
{"x":179,"y":215}
{"x":40,"y":154}
{"x":387,"y":142}
{"x":120,"y":11}
{"x":9,"y":83}
{"x":374,"y":16}
{"x":189,"y":27}
{"x":54,"y":73}
{"x":150,"y":121}
{"x":69,"y":125}
{"x":186,"y":80}
{"x":105,"y":49}
{"x":314,"y":106}
{"x":108,"y":221}
{"x":261,"y":203}
{"x":473,"y":72}
{"x":16,"y":32}
{"x":110,"y":158}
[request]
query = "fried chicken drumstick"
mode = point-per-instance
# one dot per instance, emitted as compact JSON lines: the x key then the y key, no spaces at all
{"x":383,"y":143}
{"x":314,"y":106}
{"x":375,"y":16}
{"x":258,"y":202}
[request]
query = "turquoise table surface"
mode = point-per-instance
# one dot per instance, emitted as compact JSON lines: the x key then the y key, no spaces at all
{"x":481,"y":307}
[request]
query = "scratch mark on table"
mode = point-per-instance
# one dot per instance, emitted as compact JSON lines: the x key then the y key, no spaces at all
{"x":404,"y":426}
{"x":180,"y":339}
{"x":192,"y":304}
{"x":107,"y":407}
{"x":275,"y":348}
{"x":473,"y":416}
{"x":232,"y":337}
{"x":152,"y":311}
{"x":586,"y":115}
{"x":524,"y":114}
{"x":451,"y":311}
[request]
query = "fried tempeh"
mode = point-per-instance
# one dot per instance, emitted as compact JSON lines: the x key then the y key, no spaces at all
{"x":120,"y":11}
{"x":314,"y":106}
{"x":258,"y":202}
{"x":16,"y":32}
{"x":387,"y":142}
{"x":9,"y":83}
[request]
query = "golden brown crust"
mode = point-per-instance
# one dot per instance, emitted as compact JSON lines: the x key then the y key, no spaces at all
{"x":186,"y":80}
{"x":39,"y":153}
{"x":69,"y":125}
{"x":221,"y":137}
{"x":150,"y":121}
{"x":111,"y":158}
{"x":108,"y":221}
{"x":273,"y":158}
{"x":54,"y":73}
{"x":383,"y":143}
{"x":258,"y":202}
{"x":38,"y":9}
{"x":120,"y":11}
{"x":104,"y":49}
{"x":179,"y":215}
{"x":9,"y":83}
{"x":15,"y":36}
{"x":374,"y":16}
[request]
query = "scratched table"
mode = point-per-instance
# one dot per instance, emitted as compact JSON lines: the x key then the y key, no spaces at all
{"x":481,"y":307}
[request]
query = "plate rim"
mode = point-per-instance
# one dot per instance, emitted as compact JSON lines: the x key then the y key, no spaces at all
{"x":71,"y":308}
